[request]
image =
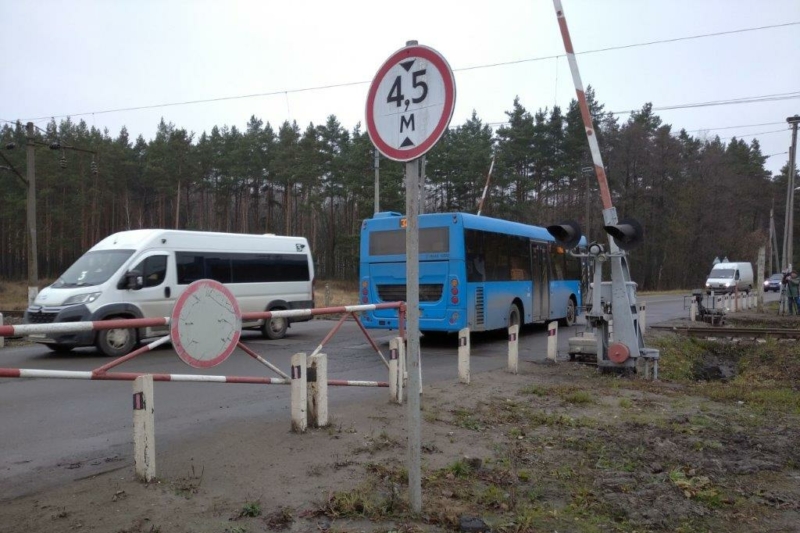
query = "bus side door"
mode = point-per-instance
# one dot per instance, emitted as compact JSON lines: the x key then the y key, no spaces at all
{"x":541,"y":281}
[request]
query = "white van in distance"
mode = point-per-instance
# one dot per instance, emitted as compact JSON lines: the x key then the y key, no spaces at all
{"x":142,"y":273}
{"x":730,"y":277}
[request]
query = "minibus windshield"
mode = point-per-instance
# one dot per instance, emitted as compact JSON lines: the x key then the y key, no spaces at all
{"x":723,"y":273}
{"x":93,"y":268}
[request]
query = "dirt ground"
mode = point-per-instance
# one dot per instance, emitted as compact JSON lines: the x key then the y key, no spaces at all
{"x":557,"y":447}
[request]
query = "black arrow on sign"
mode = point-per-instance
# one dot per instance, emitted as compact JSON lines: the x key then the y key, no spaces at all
{"x":407,"y":64}
{"x":407,"y":142}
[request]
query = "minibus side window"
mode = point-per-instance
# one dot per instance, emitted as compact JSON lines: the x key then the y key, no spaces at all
{"x":153,"y":269}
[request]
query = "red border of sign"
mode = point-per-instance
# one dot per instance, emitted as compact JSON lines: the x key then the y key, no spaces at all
{"x":449,"y":102}
{"x":174,"y":324}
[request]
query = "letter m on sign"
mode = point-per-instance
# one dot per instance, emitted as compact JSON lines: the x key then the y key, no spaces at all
{"x":407,"y":123}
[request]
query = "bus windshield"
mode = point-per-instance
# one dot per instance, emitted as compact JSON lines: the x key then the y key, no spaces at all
{"x":93,"y":268}
{"x":393,"y":242}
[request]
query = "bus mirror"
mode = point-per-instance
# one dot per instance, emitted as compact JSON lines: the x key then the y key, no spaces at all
{"x":567,"y":234}
{"x":628,"y":233}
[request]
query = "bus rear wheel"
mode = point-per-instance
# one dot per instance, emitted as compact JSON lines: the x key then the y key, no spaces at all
{"x":569,"y":319}
{"x":514,"y":316}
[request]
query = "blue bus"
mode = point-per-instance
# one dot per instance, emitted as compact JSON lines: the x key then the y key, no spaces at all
{"x":475,"y":271}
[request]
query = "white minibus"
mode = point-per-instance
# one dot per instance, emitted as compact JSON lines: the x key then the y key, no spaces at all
{"x":141,"y":274}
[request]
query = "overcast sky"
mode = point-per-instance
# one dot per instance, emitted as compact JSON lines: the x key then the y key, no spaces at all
{"x":82,"y":58}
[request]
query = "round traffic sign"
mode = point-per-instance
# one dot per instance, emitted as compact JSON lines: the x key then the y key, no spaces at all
{"x":206,"y":324}
{"x":410,"y":102}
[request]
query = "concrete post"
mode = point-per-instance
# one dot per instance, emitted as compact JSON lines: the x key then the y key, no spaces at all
{"x":2,"y":339}
{"x":552,"y":341}
{"x":693,"y":311}
{"x":317,"y":372}
{"x":642,"y":316}
{"x":144,"y":435}
{"x":513,"y":349}
{"x":463,"y":355}
{"x":299,"y":393}
{"x":396,"y":358}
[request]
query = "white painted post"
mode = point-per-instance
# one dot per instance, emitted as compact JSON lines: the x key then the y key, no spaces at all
{"x":643,"y":316}
{"x":513,"y":348}
{"x":395,"y":371}
{"x":318,"y":390}
{"x":299,"y":394}
{"x":144,"y":433}
{"x":610,"y":330}
{"x":693,"y":311}
{"x":2,"y":339}
{"x":552,"y":341}
{"x":463,"y":355}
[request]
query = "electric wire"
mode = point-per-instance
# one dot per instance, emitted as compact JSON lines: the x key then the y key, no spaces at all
{"x":462,"y":69}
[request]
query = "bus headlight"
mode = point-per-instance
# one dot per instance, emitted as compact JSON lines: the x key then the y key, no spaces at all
{"x":85,"y":298}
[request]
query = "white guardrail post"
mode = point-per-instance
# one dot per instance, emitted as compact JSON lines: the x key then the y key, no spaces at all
{"x":463,"y":356}
{"x":144,"y":434}
{"x":299,"y":393}
{"x":642,"y":316}
{"x":513,"y":348}
{"x":317,"y":390}
{"x":552,"y":341}
{"x":396,"y":369}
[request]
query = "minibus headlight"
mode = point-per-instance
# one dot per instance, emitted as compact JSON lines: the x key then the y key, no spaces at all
{"x":85,"y":298}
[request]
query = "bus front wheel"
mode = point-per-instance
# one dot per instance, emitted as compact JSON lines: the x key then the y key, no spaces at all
{"x":514,"y":316}
{"x":569,"y":319}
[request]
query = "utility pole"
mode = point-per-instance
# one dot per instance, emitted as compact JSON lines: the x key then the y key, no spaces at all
{"x":789,"y":236}
{"x":33,"y":261}
{"x":377,"y":181}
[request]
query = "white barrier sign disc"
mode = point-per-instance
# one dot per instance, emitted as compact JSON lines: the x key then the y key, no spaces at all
{"x":206,"y":324}
{"x":410,"y":102}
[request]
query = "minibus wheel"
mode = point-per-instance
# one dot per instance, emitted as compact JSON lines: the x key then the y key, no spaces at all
{"x":569,"y":320}
{"x":116,"y":342}
{"x":275,"y":327}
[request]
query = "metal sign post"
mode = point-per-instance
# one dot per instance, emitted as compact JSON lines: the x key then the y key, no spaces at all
{"x":409,"y":106}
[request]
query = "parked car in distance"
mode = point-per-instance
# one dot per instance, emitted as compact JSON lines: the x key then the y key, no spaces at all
{"x":773,"y":283}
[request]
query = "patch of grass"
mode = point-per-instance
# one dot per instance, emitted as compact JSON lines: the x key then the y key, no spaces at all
{"x":580,"y":397}
{"x":250,"y":509}
{"x":625,"y":403}
{"x":374,"y":444}
{"x":459,"y":468}
{"x":535,"y":390}
{"x":466,"y":420}
{"x":281,"y":519}
{"x":698,"y":488}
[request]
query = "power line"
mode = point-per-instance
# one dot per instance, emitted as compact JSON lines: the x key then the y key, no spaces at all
{"x":462,"y":69}
{"x":754,"y":134}
{"x":732,"y":101}
{"x":736,"y":127}
{"x":779,"y":153}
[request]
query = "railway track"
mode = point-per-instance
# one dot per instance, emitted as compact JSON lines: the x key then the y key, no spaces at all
{"x":757,"y":333}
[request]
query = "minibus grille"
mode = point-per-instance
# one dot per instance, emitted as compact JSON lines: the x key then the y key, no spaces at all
{"x":479,"y":306}
{"x":428,"y":292}
{"x":41,"y":318}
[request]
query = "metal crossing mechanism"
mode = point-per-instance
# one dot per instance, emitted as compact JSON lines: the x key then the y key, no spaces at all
{"x":615,"y":300}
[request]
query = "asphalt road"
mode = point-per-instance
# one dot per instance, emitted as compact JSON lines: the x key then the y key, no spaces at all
{"x":56,"y":430}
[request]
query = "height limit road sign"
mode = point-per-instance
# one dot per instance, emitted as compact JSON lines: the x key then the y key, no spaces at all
{"x":410,"y":102}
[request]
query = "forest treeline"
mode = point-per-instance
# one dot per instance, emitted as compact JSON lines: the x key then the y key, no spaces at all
{"x":697,"y":198}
